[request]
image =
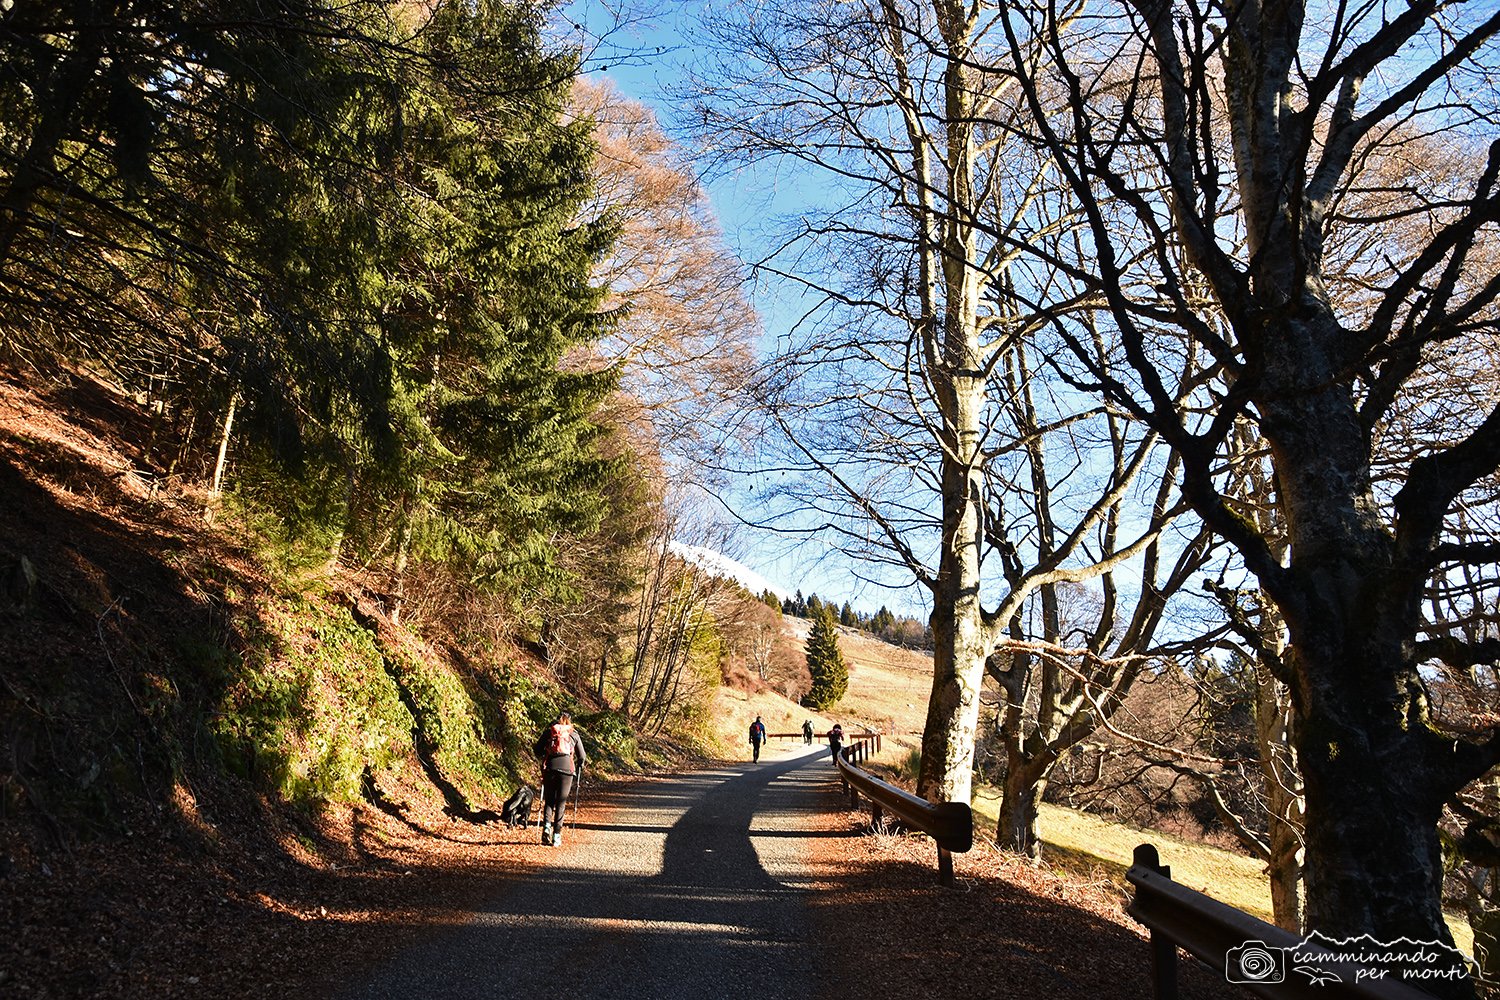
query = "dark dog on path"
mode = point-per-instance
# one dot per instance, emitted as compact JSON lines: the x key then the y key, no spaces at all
{"x":517,"y":808}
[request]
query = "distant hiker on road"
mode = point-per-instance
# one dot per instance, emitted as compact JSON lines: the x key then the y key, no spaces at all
{"x":560,"y":752}
{"x":807,"y":732}
{"x":836,"y":741}
{"x":757,"y":737}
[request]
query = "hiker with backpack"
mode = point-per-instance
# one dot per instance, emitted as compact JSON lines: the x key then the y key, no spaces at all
{"x":807,"y":732}
{"x":560,"y":752}
{"x":836,"y":742}
{"x":757,"y":737}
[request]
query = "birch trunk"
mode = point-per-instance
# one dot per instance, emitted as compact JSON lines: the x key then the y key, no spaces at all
{"x":1285,"y":809}
{"x":961,"y":639}
{"x":217,"y":485}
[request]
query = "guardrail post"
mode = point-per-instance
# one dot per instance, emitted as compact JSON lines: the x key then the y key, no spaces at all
{"x":945,"y":866}
{"x":1163,"y":948}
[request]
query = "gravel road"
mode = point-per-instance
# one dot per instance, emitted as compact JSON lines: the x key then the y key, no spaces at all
{"x":689,"y":886}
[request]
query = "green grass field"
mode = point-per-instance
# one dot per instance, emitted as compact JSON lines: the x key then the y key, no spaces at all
{"x":1079,"y":842}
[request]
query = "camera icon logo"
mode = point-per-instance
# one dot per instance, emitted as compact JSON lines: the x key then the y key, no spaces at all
{"x":1255,"y":962}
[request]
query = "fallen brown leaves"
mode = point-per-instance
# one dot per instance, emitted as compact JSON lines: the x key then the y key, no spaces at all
{"x":1007,"y":928}
{"x":169,"y":914}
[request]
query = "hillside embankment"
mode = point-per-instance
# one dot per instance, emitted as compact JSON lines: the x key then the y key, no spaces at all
{"x":220,"y":761}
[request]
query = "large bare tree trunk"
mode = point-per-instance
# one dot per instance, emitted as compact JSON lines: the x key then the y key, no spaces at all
{"x":961,"y":642}
{"x":961,"y":639}
{"x":1025,"y":783}
{"x":1374,"y":862}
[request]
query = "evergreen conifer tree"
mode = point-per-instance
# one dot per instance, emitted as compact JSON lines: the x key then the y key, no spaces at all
{"x":355,"y":228}
{"x":830,"y":676}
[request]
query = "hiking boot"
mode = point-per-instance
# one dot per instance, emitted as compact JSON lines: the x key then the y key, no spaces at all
{"x":547,"y":834}
{"x":557,"y":838}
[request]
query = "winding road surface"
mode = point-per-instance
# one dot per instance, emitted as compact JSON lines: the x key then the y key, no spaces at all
{"x":688,"y":887}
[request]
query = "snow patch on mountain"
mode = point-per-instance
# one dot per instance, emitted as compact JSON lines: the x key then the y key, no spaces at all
{"x":721,"y":565}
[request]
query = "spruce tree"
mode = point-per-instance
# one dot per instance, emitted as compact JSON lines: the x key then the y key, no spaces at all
{"x":355,"y":226}
{"x":830,"y":676}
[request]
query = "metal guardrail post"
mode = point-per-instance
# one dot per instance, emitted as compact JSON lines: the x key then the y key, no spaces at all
{"x":849,"y":752}
{"x":945,"y":865}
{"x":1163,"y":948}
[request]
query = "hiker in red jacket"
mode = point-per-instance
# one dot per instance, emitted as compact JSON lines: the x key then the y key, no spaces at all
{"x":560,"y":752}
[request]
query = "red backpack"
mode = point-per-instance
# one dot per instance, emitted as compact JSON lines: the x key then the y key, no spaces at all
{"x":559,"y":739}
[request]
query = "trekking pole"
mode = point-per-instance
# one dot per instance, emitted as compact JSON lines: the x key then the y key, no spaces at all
{"x":577,"y":789}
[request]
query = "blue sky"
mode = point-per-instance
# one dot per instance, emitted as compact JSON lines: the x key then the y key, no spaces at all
{"x":647,"y":55}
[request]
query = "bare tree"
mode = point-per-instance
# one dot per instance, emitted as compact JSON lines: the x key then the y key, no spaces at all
{"x":685,"y":617}
{"x":762,"y":645}
{"x":684,"y":341}
{"x":914,"y":425}
{"x":1254,"y":121}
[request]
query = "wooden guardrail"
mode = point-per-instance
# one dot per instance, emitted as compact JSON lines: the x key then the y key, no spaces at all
{"x":1211,"y":931}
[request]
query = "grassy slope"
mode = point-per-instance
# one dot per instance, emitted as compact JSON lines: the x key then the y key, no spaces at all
{"x":150,"y":656}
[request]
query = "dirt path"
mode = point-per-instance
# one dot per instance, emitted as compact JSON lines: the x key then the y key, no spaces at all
{"x":681,"y":887}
